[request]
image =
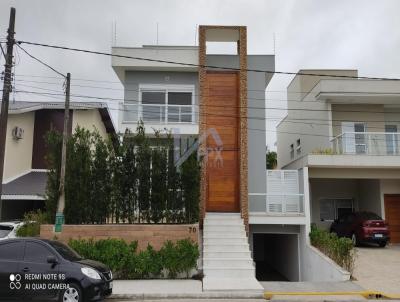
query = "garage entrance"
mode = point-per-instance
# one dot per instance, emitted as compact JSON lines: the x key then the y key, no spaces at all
{"x":276,"y":257}
{"x":392,"y":216}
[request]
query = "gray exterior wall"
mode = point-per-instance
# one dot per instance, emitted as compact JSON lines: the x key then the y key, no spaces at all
{"x":134,"y":78}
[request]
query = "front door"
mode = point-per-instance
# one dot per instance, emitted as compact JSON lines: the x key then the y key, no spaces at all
{"x":392,"y":216}
{"x":222,"y":123}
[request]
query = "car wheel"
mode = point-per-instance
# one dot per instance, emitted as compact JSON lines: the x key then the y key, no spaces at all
{"x":382,"y":244}
{"x":354,"y":239}
{"x":72,"y":294}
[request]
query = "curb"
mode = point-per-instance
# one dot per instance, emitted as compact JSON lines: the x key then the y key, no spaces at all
{"x":366,"y":294}
{"x":202,"y":295}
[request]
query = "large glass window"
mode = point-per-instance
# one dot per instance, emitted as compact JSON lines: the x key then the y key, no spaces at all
{"x":331,"y":209}
{"x":166,"y":105}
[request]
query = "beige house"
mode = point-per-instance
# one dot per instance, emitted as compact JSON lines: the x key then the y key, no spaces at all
{"x":345,"y":132}
{"x":24,"y":178}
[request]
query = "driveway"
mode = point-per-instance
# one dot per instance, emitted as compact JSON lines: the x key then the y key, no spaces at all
{"x":378,"y":268}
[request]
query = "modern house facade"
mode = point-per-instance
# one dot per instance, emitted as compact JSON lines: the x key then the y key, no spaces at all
{"x":254,"y":222}
{"x":25,"y":174}
{"x":344,"y":131}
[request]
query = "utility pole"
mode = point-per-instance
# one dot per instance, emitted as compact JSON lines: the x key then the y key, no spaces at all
{"x":6,"y":96}
{"x":61,"y":200}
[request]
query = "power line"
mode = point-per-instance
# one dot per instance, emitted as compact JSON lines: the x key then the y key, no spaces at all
{"x":235,"y":116}
{"x":40,"y":61}
{"x":202,"y":66}
{"x":249,"y":107}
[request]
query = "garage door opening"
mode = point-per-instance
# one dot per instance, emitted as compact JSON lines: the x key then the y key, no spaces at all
{"x":276,"y":257}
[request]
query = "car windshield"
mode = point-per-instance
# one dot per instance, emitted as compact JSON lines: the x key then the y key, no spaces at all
{"x":5,"y":230}
{"x":65,"y":251}
{"x":369,"y":216}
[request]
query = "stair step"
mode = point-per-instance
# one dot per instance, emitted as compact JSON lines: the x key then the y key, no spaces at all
{"x":237,"y":234}
{"x":229,"y":272}
{"x":219,"y":241}
{"x":227,"y":254}
{"x":226,"y":222}
{"x":215,"y":214}
{"x":240,"y":247}
{"x":227,"y":263}
{"x":228,"y":218}
{"x":224,"y":228}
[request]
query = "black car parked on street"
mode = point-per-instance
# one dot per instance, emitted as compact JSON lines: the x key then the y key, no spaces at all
{"x":42,"y":270}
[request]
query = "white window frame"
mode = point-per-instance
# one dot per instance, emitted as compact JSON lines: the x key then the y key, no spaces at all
{"x":167,"y":88}
{"x":335,"y":206}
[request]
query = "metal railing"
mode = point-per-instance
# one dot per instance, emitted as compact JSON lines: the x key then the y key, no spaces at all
{"x":276,"y":204}
{"x":368,"y":143}
{"x":159,"y":113}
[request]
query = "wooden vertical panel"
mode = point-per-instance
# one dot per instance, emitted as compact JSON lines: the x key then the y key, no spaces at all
{"x":392,"y":216}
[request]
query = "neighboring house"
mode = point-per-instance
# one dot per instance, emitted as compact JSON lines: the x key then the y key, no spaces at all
{"x":344,"y":133}
{"x":24,"y":181}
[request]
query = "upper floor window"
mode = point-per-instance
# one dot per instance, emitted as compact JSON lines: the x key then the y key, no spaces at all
{"x":291,"y":151}
{"x":298,"y":147}
{"x":164,"y":104}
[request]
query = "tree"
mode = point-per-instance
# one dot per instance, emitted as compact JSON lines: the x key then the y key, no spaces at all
{"x":190,"y":176}
{"x":271,"y":157}
{"x":174,"y":195}
{"x":100,"y":193}
{"x":78,"y":207}
{"x":158,"y":180}
{"x":53,"y":161}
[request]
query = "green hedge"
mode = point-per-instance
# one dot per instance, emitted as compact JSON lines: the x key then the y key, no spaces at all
{"x":340,"y":250}
{"x":127,"y":262}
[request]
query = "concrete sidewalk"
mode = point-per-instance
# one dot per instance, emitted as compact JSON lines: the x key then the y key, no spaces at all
{"x":171,"y":289}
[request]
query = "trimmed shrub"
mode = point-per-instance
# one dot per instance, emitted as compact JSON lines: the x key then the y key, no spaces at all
{"x":340,"y":250}
{"x":127,"y":263}
{"x":31,"y":226}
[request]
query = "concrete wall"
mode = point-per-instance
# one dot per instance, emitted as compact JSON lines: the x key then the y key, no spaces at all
{"x":18,"y":155}
{"x":155,"y":235}
{"x":316,"y":267}
{"x":370,"y":196}
{"x":89,"y":119}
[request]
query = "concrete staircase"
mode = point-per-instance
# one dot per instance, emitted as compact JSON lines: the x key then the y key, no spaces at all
{"x":227,"y":262}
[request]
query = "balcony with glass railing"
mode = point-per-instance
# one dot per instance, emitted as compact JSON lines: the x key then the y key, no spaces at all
{"x":367,"y":143}
{"x":159,"y":113}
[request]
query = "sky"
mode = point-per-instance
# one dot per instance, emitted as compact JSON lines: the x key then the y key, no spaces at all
{"x":315,"y":34}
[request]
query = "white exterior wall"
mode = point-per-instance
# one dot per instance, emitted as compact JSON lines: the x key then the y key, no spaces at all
{"x":18,"y":153}
{"x":316,"y":267}
{"x":370,"y":196}
{"x":311,"y":127}
{"x":89,"y":119}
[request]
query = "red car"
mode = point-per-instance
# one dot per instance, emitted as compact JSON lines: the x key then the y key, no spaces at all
{"x":362,"y":227}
